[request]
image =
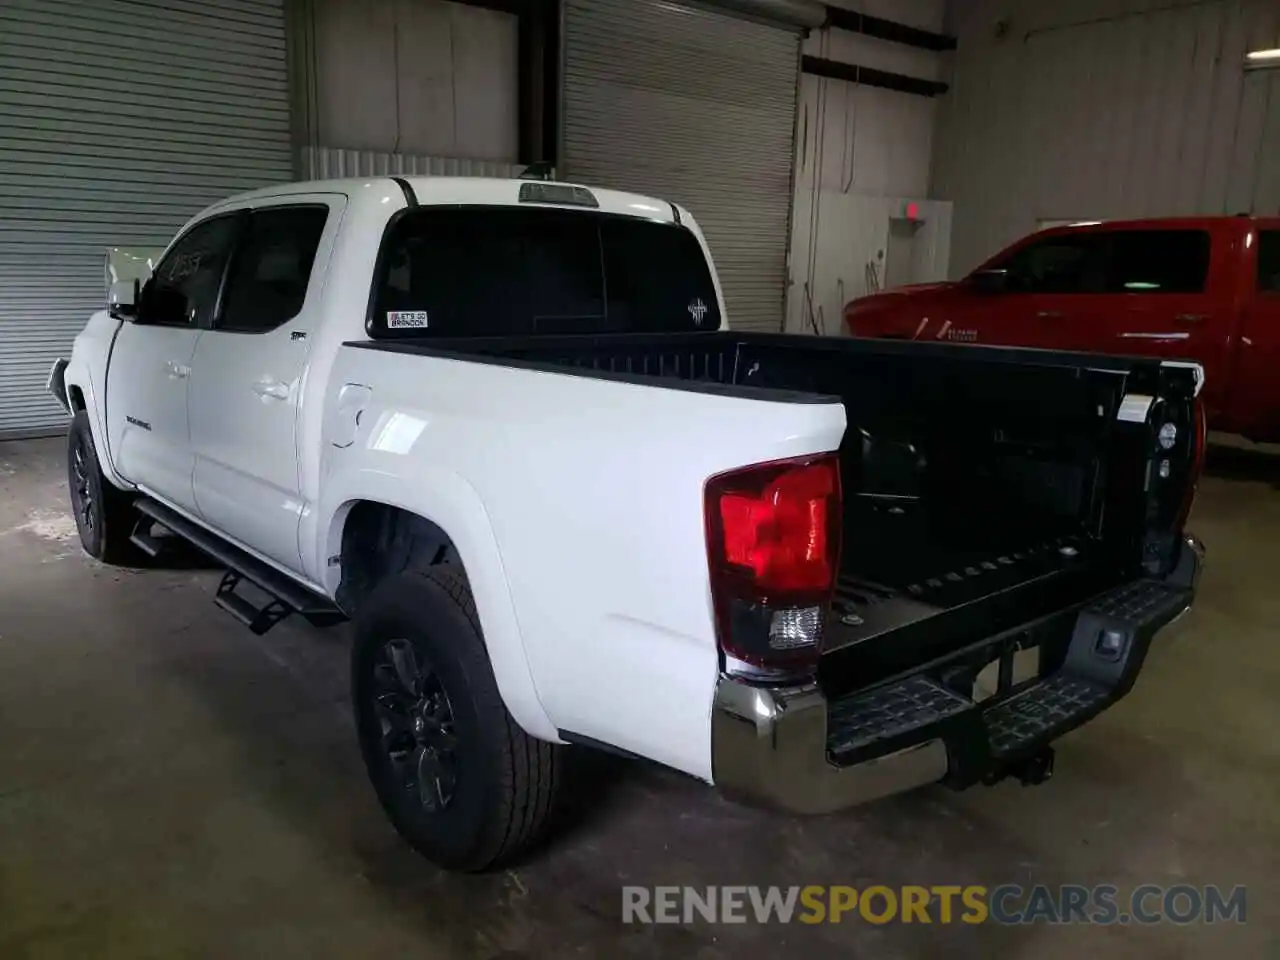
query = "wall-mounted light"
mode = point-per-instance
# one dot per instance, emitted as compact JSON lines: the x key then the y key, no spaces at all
{"x":1262,"y":59}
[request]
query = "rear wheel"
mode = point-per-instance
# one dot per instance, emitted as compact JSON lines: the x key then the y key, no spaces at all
{"x":458,"y":778}
{"x":104,"y":514}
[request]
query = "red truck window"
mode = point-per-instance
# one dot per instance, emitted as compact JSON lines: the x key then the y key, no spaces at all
{"x":1113,"y":261}
{"x":1067,"y":264}
{"x":1269,"y":261}
{"x":1158,"y":261}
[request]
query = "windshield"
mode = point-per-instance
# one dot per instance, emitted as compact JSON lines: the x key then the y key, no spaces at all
{"x":499,"y":271}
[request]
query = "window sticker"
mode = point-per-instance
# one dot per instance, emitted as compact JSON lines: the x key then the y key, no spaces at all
{"x":406,"y":319}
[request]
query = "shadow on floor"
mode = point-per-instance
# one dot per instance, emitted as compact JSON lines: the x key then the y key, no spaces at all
{"x":1243,"y":463}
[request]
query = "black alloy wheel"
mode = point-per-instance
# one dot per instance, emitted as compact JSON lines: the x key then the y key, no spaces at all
{"x":417,"y":723}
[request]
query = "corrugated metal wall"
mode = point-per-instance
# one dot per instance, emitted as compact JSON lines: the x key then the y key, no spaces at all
{"x":695,"y":106}
{"x":119,"y":119}
{"x":325,"y":163}
{"x":1105,"y":109}
{"x":418,"y":77}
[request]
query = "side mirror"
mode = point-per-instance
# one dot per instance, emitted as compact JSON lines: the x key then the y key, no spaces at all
{"x":162,"y":304}
{"x":122,"y":300}
{"x":990,"y":281}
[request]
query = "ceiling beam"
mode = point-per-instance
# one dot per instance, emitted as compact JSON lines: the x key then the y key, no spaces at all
{"x":871,"y":77}
{"x":890,"y":30}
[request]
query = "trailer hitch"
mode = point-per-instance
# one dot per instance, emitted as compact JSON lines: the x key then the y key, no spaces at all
{"x":1030,"y":771}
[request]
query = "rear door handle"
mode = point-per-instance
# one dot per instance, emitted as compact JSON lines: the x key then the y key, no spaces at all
{"x":1191,"y":318}
{"x":1050,"y":314}
{"x":178,"y":371}
{"x":271,"y":389}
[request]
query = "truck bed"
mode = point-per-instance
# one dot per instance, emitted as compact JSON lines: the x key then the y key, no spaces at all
{"x":977,"y":481}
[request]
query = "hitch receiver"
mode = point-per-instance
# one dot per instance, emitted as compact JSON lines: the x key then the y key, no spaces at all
{"x":1030,"y":771}
{"x":1035,"y":769}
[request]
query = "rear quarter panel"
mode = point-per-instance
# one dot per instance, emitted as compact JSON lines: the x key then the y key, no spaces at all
{"x":576,"y":506}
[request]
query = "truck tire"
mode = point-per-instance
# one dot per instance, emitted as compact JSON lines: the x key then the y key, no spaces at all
{"x":104,"y":514}
{"x":457,"y":777}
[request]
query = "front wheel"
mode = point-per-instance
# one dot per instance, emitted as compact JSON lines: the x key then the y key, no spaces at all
{"x":457,"y":777}
{"x":104,"y":515}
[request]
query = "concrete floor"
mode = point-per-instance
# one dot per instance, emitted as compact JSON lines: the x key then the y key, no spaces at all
{"x":172,"y":786}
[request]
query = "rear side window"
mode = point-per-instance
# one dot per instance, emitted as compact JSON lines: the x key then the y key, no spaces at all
{"x":1269,"y":261}
{"x":1158,"y":261}
{"x":497,"y":271}
{"x":271,"y":268}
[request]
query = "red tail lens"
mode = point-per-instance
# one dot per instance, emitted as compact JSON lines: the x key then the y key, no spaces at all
{"x":773,"y":544}
{"x":781,"y":532}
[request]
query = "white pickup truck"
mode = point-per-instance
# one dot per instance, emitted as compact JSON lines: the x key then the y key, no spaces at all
{"x":504,"y":427}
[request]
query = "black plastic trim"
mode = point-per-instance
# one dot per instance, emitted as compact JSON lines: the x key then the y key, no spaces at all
{"x":233,"y":254}
{"x":380,"y":264}
{"x":459,"y":352}
{"x":410,"y":198}
{"x":871,"y":77}
{"x":283,"y":588}
{"x":568,"y":736}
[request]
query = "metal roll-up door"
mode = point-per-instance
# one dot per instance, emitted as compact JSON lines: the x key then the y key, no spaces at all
{"x":119,"y":119}
{"x":698,"y":107}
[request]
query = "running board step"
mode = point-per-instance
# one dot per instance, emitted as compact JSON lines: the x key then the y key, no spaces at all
{"x":285,"y":595}
{"x":258,"y":619}
{"x":143,"y":538}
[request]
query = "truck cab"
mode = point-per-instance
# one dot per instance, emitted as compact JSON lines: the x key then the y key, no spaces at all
{"x":1204,"y":289}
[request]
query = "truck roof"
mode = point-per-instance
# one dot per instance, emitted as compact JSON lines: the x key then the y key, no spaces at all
{"x":453,"y":190}
{"x":1164,"y":223}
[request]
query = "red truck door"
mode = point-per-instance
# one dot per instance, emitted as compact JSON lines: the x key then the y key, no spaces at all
{"x":1255,"y":395}
{"x":1049,"y":283}
{"x":1168,"y":292}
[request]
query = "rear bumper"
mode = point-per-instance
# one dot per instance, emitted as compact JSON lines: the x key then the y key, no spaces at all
{"x":794,"y":749}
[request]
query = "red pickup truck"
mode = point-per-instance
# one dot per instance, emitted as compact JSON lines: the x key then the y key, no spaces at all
{"x":1205,"y":289}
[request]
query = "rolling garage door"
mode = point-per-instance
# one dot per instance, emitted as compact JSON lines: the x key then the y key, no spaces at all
{"x":119,"y":119}
{"x":696,"y":106}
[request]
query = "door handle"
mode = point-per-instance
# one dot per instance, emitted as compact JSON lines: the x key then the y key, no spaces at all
{"x":1191,"y":318}
{"x":271,"y":389}
{"x":178,"y":371}
{"x":1051,"y":315}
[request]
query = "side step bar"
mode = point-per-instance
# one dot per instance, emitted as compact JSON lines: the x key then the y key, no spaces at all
{"x":285,"y":596}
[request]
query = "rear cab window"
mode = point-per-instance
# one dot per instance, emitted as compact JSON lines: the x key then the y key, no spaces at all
{"x":518,"y":271}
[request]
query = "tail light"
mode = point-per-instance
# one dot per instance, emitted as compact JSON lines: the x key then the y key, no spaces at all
{"x":773,"y":546}
{"x":1177,"y":458}
{"x":1199,"y":446}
